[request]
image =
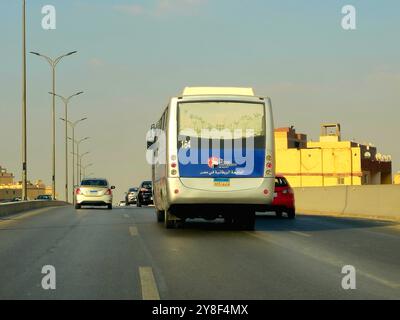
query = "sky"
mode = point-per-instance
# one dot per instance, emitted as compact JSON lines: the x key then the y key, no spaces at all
{"x":134,"y":55}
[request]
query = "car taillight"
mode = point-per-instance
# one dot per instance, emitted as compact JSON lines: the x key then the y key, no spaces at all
{"x":78,"y":191}
{"x":108,"y":192}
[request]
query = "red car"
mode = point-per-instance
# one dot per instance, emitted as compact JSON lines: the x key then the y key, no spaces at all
{"x":283,"y":198}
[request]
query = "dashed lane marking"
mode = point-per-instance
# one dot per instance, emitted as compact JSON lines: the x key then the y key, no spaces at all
{"x":148,"y":284}
{"x":301,"y":234}
{"x":133,"y":231}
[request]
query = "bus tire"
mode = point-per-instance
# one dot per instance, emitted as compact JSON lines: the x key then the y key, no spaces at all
{"x":250,"y":223}
{"x":291,"y":213}
{"x":168,"y":222}
{"x":228,"y":220}
{"x":160,"y":216}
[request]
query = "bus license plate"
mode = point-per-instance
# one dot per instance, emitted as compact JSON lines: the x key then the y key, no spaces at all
{"x":222,"y":182}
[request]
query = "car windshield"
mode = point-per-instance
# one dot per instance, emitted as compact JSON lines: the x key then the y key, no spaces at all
{"x":146,"y":185}
{"x":133,"y":189}
{"x":94,"y":182}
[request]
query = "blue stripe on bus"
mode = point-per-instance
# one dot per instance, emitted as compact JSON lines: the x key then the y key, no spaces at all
{"x":223,"y":169}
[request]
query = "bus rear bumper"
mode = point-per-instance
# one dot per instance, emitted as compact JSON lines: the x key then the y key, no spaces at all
{"x":259,"y":196}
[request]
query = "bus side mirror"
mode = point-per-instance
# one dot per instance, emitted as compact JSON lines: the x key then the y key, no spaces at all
{"x":150,"y":142}
{"x":151,"y":138}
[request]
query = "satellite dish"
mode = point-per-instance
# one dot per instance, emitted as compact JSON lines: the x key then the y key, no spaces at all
{"x":367,"y":155}
{"x":378,"y":156}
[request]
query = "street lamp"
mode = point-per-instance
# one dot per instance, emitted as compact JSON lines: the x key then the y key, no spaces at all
{"x":78,"y":142}
{"x":66,"y":100}
{"x":53,"y":63}
{"x":24,"y":158}
{"x":73,"y":125}
{"x":80,"y":164}
{"x":84,"y":169}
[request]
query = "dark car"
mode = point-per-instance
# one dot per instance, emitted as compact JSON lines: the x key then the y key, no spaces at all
{"x":283,"y":198}
{"x":131,"y":196}
{"x":145,"y":194}
{"x":45,"y":197}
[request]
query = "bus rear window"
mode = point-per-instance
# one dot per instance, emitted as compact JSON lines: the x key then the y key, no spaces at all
{"x":225,"y":120}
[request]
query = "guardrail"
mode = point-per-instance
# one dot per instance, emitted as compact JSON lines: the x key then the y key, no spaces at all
{"x":7,"y":209}
{"x":379,"y":201}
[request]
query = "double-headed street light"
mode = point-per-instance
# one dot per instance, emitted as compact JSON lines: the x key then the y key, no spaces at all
{"x":73,"y":125}
{"x":66,"y":100}
{"x":78,"y":142}
{"x":53,"y":63}
{"x":83,"y":168}
{"x":80,"y":164}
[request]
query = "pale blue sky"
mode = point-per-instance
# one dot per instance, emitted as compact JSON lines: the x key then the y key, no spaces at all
{"x":134,"y":55}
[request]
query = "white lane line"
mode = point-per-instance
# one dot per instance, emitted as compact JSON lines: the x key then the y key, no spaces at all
{"x":148,"y":284}
{"x":133,"y":231}
{"x":301,"y":234}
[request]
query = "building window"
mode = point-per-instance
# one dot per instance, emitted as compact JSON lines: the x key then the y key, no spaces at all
{"x":340,"y":180}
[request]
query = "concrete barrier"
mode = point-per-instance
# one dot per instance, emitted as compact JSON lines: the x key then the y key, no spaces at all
{"x":378,"y":201}
{"x":7,"y":209}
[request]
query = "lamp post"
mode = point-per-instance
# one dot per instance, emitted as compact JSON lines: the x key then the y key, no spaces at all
{"x":73,"y":125}
{"x":66,"y":100}
{"x":84,"y":169}
{"x":24,"y":157}
{"x":53,"y":63}
{"x":80,"y":164}
{"x":78,"y":142}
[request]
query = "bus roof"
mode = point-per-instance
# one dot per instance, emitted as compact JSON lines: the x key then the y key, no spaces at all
{"x":199,"y":91}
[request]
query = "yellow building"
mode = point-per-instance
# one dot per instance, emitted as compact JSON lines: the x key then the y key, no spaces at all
{"x":6,"y":177}
{"x":396,"y":179}
{"x":9,"y":189}
{"x":329,"y":161}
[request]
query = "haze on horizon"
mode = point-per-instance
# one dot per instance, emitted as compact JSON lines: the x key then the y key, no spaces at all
{"x":134,"y":55}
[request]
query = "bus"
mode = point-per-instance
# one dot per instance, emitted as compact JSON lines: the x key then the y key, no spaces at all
{"x":212,"y":156}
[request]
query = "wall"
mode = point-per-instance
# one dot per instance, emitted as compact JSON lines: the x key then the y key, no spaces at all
{"x":16,"y":207}
{"x":368,"y":200}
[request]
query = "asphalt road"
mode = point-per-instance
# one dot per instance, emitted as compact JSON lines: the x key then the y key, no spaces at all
{"x":126,"y":254}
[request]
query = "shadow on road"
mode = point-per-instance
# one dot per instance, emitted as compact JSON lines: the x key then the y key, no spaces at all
{"x":303,"y":223}
{"x":315,"y":223}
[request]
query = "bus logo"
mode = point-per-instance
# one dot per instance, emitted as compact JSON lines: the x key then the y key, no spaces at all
{"x":213,"y":162}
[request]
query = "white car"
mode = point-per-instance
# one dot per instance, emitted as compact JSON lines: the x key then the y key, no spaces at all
{"x":94,"y":192}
